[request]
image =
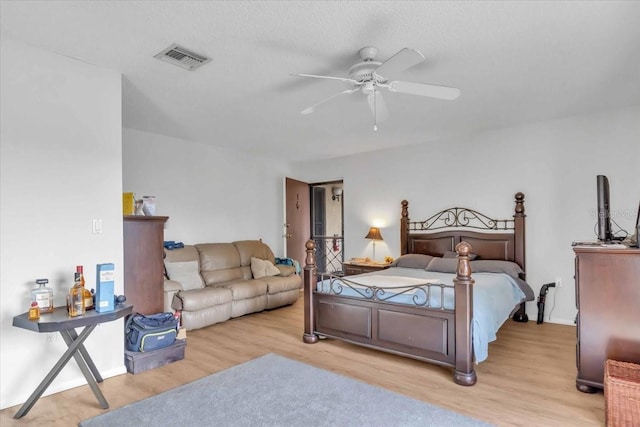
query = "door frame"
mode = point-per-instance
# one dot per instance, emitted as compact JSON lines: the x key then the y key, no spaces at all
{"x":307,"y":206}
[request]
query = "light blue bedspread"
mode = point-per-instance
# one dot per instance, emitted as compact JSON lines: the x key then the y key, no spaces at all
{"x":495,"y":295}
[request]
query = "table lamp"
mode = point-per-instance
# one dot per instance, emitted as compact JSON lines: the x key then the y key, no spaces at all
{"x":374,"y":234}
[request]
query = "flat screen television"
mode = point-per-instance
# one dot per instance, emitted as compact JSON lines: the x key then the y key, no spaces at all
{"x":604,"y":213}
{"x":634,"y":239}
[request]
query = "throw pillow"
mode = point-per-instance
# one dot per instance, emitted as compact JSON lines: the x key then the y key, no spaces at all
{"x":453,"y":254}
{"x":412,"y":261}
{"x":186,"y":273}
{"x":262,"y":268}
{"x":497,"y":266}
{"x":443,"y":265}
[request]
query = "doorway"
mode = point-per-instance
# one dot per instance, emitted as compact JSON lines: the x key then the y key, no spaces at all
{"x":315,"y":211}
{"x":327,"y":203}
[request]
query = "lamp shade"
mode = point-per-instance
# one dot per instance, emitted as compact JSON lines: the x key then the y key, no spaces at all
{"x":374,"y":234}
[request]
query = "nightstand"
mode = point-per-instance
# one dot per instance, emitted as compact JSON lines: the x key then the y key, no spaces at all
{"x":351,"y":268}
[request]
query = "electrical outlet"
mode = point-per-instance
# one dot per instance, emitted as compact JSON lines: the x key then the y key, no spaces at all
{"x":558,"y":282}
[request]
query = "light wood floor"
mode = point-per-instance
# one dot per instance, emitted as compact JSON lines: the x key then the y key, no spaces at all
{"x":528,"y":380}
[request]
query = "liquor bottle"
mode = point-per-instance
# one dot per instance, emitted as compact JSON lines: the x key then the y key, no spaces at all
{"x":88,"y":297}
{"x":76,"y":297}
{"x":34,"y":311}
{"x":43,"y":295}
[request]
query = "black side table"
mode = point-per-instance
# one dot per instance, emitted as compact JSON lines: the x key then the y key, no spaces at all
{"x":59,"y":321}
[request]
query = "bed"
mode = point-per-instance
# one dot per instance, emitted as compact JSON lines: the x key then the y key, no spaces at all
{"x":423,"y":305}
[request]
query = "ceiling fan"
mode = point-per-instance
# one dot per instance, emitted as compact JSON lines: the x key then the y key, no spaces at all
{"x":369,"y":75}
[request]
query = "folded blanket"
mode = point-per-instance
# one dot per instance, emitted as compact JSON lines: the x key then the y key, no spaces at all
{"x":170,"y":244}
{"x":289,"y":261}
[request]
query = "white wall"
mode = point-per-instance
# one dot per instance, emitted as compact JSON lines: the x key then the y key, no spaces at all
{"x":209,"y":194}
{"x":554,"y":163}
{"x":60,"y":144}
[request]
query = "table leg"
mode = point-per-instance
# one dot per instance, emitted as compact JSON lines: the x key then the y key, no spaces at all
{"x":46,"y":382}
{"x":87,"y":367}
{"x":85,"y":354}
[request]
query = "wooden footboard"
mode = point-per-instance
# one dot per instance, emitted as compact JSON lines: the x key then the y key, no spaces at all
{"x":434,"y":335}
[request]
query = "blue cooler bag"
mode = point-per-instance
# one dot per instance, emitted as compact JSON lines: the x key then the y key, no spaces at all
{"x":150,"y":332}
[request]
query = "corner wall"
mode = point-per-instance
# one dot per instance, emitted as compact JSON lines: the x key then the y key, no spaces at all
{"x":60,"y":144}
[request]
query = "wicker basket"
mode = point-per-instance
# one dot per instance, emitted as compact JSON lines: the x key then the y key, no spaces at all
{"x":622,"y":394}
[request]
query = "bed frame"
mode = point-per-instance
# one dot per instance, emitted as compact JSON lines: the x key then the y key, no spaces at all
{"x":434,"y":335}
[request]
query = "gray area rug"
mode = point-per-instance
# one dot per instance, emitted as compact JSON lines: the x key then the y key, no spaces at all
{"x":276,"y":391}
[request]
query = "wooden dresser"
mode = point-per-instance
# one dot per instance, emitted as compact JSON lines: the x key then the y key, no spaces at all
{"x":608,"y":301}
{"x":144,"y":262}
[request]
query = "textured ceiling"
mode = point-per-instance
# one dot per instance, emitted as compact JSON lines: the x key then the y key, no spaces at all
{"x":514,"y":62}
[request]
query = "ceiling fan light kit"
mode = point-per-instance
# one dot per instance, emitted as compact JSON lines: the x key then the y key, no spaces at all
{"x":369,"y":75}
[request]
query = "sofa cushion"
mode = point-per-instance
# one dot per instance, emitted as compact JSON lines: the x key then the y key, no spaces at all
{"x":185,"y":272}
{"x":199,"y":299}
{"x":220,"y":277}
{"x":276,"y":284}
{"x":253,"y":248}
{"x":261,"y":268}
{"x":244,"y":289}
{"x":186,"y":253}
{"x":285,"y":270}
{"x":218,"y":256}
{"x":219,"y":262}
{"x":207,"y":316}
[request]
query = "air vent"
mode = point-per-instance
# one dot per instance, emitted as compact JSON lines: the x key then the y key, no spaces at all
{"x":183,"y":58}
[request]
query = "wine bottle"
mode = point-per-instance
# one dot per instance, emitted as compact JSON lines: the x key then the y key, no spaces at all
{"x":43,"y":295}
{"x":76,"y":297}
{"x":86,"y":293}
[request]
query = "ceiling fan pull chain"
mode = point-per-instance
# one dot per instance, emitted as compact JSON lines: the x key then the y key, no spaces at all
{"x":375,"y":111}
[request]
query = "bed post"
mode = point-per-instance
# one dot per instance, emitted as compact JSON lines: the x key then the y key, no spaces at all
{"x":404,"y":228}
{"x":519,"y":249}
{"x":463,"y":373}
{"x":518,"y":219}
{"x":309,"y":282}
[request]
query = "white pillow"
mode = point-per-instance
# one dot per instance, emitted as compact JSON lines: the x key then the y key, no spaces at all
{"x":186,"y":273}
{"x":261,"y":268}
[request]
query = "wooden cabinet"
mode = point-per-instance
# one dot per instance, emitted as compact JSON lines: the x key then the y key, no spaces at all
{"x":608,"y":301}
{"x":353,"y":268}
{"x":144,"y":262}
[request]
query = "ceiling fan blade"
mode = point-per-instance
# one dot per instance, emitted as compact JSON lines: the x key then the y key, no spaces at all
{"x":327,"y":77}
{"x":378,"y":106}
{"x":311,"y":109}
{"x":423,"y":89}
{"x":402,"y":60}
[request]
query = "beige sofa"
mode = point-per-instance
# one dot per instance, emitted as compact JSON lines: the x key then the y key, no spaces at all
{"x":213,"y":282}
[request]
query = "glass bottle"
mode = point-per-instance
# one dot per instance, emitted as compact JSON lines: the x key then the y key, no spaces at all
{"x":76,"y":297}
{"x":34,"y":311}
{"x":43,"y":296}
{"x":88,"y":297}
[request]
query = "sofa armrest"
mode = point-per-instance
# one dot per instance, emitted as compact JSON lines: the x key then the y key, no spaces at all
{"x":171,"y":287}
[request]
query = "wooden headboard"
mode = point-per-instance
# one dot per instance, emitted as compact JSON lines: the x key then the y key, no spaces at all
{"x":500,"y":239}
